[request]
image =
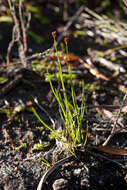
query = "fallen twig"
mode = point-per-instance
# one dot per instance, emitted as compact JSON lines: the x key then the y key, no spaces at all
{"x":51,"y":119}
{"x":113,"y":131}
{"x":69,"y":23}
{"x":18,"y":35}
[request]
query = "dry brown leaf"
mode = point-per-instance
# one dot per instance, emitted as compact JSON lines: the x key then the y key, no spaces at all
{"x":76,"y":61}
{"x":111,"y":150}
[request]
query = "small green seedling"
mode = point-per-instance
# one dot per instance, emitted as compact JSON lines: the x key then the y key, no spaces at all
{"x":22,"y":146}
{"x":45,"y":162}
{"x":41,"y":146}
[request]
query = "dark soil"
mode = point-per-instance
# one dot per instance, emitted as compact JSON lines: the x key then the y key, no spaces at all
{"x":21,"y":167}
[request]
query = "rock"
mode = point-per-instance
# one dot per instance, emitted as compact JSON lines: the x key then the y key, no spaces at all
{"x":60,"y":184}
{"x":77,"y":172}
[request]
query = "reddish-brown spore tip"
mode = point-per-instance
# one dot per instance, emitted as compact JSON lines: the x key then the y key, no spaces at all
{"x":54,"y":35}
{"x":29,"y":104}
{"x":66,"y":40}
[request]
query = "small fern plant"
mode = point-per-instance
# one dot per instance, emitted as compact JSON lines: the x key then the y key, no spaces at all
{"x":71,"y":114}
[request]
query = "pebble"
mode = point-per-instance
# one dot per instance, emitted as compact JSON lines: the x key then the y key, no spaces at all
{"x":60,"y":184}
{"x":77,"y":172}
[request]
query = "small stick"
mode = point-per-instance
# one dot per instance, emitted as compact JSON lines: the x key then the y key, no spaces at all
{"x":24,"y":37}
{"x":125,"y":2}
{"x":51,"y":119}
{"x":115,"y":123}
{"x":69,"y":23}
{"x":18,"y":34}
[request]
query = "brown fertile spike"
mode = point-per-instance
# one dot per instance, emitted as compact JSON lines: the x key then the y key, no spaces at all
{"x":54,"y":35}
{"x":29,"y":103}
{"x":66,"y":40}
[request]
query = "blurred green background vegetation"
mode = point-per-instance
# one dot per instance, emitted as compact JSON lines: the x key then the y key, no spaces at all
{"x":47,"y":15}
